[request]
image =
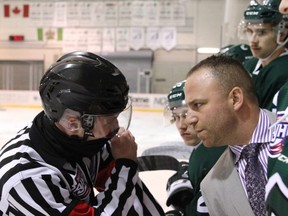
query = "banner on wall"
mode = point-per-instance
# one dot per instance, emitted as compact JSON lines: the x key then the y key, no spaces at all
{"x":137,"y":39}
{"x":124,"y":25}
{"x":50,"y":34}
{"x":169,"y":38}
{"x":153,"y":38}
{"x":13,"y":10}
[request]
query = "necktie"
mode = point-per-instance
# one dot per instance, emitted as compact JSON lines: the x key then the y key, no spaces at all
{"x":255,"y":179}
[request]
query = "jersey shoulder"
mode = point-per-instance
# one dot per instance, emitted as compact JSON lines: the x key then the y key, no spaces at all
{"x":250,"y":64}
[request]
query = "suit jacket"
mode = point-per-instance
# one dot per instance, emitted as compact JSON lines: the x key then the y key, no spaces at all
{"x":222,"y":190}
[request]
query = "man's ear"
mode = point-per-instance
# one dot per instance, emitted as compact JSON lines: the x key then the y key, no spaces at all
{"x":73,"y":124}
{"x":70,"y":123}
{"x":237,"y":97}
{"x":283,"y":33}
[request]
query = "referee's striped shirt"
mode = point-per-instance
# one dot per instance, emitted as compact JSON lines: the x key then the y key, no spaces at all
{"x":31,"y":186}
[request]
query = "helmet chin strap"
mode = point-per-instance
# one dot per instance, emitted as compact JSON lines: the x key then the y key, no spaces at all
{"x":87,"y":133}
{"x":112,"y":133}
{"x":272,"y":53}
{"x":279,"y":43}
{"x":87,"y":124}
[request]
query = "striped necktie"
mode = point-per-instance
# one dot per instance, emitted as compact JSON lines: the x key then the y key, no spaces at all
{"x":255,"y":179}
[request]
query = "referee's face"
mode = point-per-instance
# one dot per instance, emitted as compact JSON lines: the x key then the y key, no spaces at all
{"x":103,"y":126}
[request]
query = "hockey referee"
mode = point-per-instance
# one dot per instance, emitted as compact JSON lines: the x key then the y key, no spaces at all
{"x":76,"y":146}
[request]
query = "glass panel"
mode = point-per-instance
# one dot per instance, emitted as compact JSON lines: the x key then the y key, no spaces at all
{"x":20,"y":75}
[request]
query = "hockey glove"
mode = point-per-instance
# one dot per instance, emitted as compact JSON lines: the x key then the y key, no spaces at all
{"x":179,"y":188}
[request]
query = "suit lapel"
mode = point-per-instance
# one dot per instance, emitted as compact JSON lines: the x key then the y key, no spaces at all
{"x":233,"y":183}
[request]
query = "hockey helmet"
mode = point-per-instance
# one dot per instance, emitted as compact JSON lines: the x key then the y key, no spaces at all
{"x":83,"y":82}
{"x":270,"y":4}
{"x":176,"y":96}
{"x":176,"y":100}
{"x":260,"y":14}
{"x":256,"y":13}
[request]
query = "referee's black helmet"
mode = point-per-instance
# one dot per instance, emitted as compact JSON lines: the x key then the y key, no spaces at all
{"x":83,"y":82}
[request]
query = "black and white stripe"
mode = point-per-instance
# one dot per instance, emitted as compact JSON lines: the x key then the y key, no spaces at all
{"x":30,"y":186}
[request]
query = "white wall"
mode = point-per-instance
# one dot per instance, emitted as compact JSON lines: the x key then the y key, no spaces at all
{"x":209,"y":23}
{"x":26,"y":53}
{"x":209,"y":20}
{"x":234,"y":10}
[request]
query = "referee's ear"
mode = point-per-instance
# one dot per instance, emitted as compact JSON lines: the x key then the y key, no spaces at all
{"x":70,"y":125}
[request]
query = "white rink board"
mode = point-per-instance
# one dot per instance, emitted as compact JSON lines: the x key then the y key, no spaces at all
{"x":31,"y":99}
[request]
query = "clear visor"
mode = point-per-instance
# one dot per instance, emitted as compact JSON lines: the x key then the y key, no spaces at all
{"x":264,"y":2}
{"x":171,"y":116}
{"x":248,"y":29}
{"x":261,"y":2}
{"x":167,"y":116}
{"x":99,"y":126}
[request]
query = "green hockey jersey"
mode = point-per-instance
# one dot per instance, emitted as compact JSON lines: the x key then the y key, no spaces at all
{"x":202,"y":159}
{"x":277,"y":185}
{"x":269,"y":79}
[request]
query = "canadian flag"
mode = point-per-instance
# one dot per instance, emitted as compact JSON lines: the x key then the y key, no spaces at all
{"x":16,"y":10}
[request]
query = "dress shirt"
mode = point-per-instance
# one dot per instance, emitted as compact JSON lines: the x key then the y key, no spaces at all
{"x":261,"y":134}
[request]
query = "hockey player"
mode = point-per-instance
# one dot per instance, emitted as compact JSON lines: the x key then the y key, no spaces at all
{"x":184,"y":197}
{"x":266,"y":32}
{"x":77,"y":144}
{"x":277,"y":184}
